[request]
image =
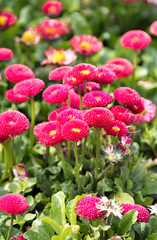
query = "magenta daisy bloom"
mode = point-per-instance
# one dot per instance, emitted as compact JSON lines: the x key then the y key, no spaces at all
{"x":99,"y":118}
{"x":55,"y":94}
{"x":117,"y":129}
{"x":113,"y":67}
{"x":127,"y":96}
{"x":15,"y":97}
{"x":84,"y":71}
{"x":70,"y":80}
{"x":21,"y":237}
{"x":18,"y":73}
{"x":7,"y":19}
{"x":97,"y":99}
{"x":138,"y":108}
{"x":52,"y":8}
{"x":75,"y":130}
{"x":13,"y":204}
{"x":29,"y":37}
{"x":38,"y":128}
{"x":60,"y":57}
{"x":135,"y":39}
{"x":143,"y":214}
{"x":153,"y":28}
{"x":105,"y":75}
{"x":54,"y":114}
{"x":58,"y":73}
{"x":86,"y":208}
{"x":21,"y":171}
{"x":86,"y":44}
{"x":68,"y":115}
{"x":90,"y":86}
{"x":125,"y":65}
{"x":30,"y":87}
{"x":122,"y":114}
{"x":74,"y":100}
{"x":5,"y":54}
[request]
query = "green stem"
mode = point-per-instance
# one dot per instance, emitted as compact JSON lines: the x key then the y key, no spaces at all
{"x":68,"y":101}
{"x":10,"y":227}
{"x":125,"y":171}
{"x":79,"y":91}
{"x":63,"y":161}
{"x":85,"y":89}
{"x":69,"y":150}
{"x":108,"y":88}
{"x":47,"y":156}
{"x":32,"y":123}
{"x":77,"y":167}
{"x":135,"y":61}
{"x":83,"y":150}
{"x":97,"y":154}
{"x":110,"y":219}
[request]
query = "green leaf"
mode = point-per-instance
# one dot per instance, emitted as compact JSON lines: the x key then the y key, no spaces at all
{"x":140,"y":72}
{"x":128,"y":220}
{"x":56,"y":227}
{"x":2,"y":192}
{"x":153,"y":223}
{"x":152,"y":237}
{"x":58,"y":208}
{"x":150,"y":187}
{"x":15,"y":187}
{"x":70,"y":209}
{"x":122,"y":197}
{"x":57,"y":238}
{"x":80,"y":24}
{"x":143,"y":201}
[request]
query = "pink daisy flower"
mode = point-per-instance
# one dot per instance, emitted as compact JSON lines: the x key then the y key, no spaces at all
{"x":13,"y":204}
{"x":117,"y":129}
{"x":105,"y":75}
{"x":74,"y":100}
{"x":153,"y":28}
{"x":5,"y":54}
{"x":97,"y":99}
{"x":49,"y":134}
{"x":15,"y":97}
{"x":99,"y":118}
{"x":135,"y":39}
{"x":55,"y":94}
{"x":86,"y":44}
{"x":86,"y":208}
{"x":52,"y":8}
{"x":122,"y":114}
{"x":58,"y":73}
{"x":127,"y":96}
{"x":19,"y":238}
{"x":18,"y":73}
{"x":29,"y":37}
{"x":84,"y":71}
{"x":75,"y":130}
{"x":115,"y":68}
{"x":13,"y":123}
{"x":54,"y":114}
{"x":125,"y":65}
{"x":38,"y":128}
{"x":52,"y":29}
{"x":7,"y":19}
{"x":60,"y":57}
{"x":138,"y":108}
{"x":148,"y":114}
{"x":68,"y":115}
{"x":70,"y":80}
{"x":30,"y":87}
{"x":90,"y":86}
{"x":143,"y":214}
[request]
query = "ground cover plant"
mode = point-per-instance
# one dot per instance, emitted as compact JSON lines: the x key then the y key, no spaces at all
{"x":78,"y":137}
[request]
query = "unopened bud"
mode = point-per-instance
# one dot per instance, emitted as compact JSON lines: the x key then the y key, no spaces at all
{"x":66,"y":226}
{"x":75,"y":229}
{"x":115,"y":238}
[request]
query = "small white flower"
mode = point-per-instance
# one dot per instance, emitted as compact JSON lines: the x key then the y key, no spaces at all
{"x":153,"y":209}
{"x":110,"y":207}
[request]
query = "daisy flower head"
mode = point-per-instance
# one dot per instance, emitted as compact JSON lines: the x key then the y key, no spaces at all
{"x":86,"y":208}
{"x":127,"y":96}
{"x":52,"y":29}
{"x":54,"y":114}
{"x":13,"y":204}
{"x":30,"y":87}
{"x":38,"y":128}
{"x":84,"y":71}
{"x":138,"y":108}
{"x":74,"y":100}
{"x":153,"y":209}
{"x":114,"y":67}
{"x":20,"y":172}
{"x":49,"y":134}
{"x":153,"y":28}
{"x":55,"y":94}
{"x":68,"y":115}
{"x":109,"y":206}
{"x":52,"y":8}
{"x":90,"y":86}
{"x":99,"y":117}
{"x":86,"y":44}
{"x":125,"y":65}
{"x":105,"y":75}
{"x":29,"y":37}
{"x":15,"y":97}
{"x":143,"y":214}
{"x":97,"y":99}
{"x":18,"y":73}
{"x":148,"y":114}
{"x":117,"y":129}
{"x":13,"y":123}
{"x":7,"y":19}
{"x":59,"y":57}
{"x":135,"y":39}
{"x":75,"y":130}
{"x":58,"y":73}
{"x":21,"y":237}
{"x":70,"y":80}
{"x":5,"y":54}
{"x":122,"y":114}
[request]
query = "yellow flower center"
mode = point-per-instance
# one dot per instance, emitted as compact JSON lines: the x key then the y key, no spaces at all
{"x":98,"y":115}
{"x":85,"y":45}
{"x":71,"y":117}
{"x":54,"y":92}
{"x":3,"y":20}
{"x":74,"y":79}
{"x":11,"y":122}
{"x":121,"y":67}
{"x":52,"y":133}
{"x":58,"y":57}
{"x":28,"y":37}
{"x":50,"y":30}
{"x":143,"y":112}
{"x":97,"y":98}
{"x":116,"y":129}
{"x":85,"y":72}
{"x":52,"y":9}
{"x":135,"y":106}
{"x":99,"y":74}
{"x":89,"y":88}
{"x":135,"y":39}
{"x":119,"y":113}
{"x":20,"y":170}
{"x":76,"y":130}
